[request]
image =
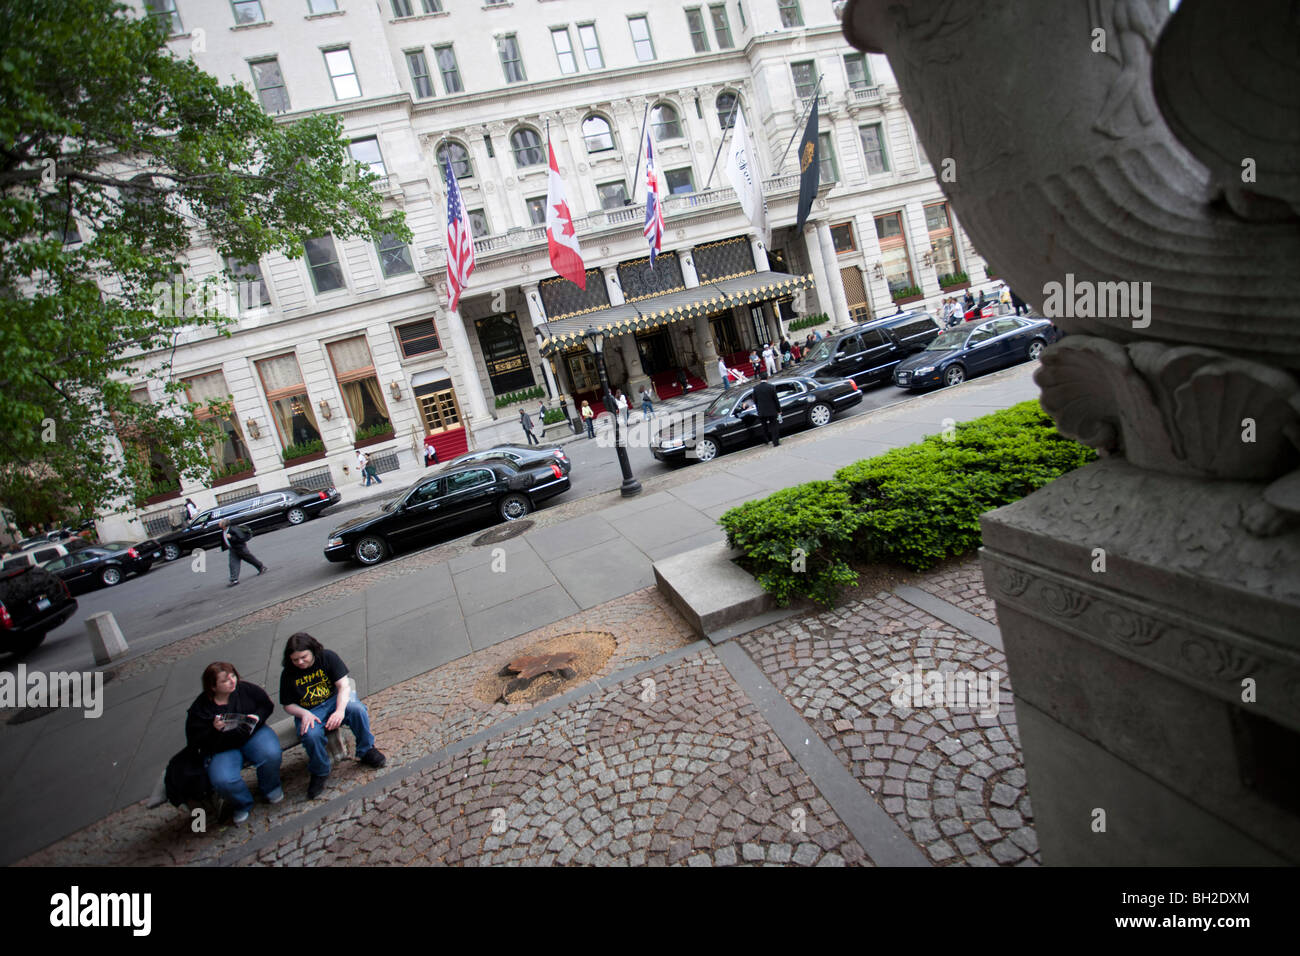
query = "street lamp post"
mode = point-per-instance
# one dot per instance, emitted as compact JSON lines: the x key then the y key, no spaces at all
{"x":595,"y":342}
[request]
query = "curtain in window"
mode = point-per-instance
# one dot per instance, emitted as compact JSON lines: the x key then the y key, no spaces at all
{"x":350,"y":355}
{"x":280,"y":372}
{"x":296,"y":420}
{"x":209,"y":388}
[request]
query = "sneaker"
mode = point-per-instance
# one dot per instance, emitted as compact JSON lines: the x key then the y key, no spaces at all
{"x":373,"y":758}
{"x":232,"y":584}
{"x":263,"y":569}
{"x":276,"y":795}
{"x":316,"y":786}
{"x":241,"y":816}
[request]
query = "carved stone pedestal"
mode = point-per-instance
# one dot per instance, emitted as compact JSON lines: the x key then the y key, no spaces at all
{"x":1154,"y":647}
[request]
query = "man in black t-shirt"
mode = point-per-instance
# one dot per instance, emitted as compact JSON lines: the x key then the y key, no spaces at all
{"x":316,"y":689}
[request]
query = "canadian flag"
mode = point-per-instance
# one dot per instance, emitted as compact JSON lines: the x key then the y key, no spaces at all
{"x":561,"y":237}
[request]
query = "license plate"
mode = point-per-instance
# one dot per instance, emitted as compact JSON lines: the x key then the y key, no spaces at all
{"x":43,"y":604}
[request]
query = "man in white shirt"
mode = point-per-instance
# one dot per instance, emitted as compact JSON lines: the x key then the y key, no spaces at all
{"x":769,"y":358}
{"x":726,"y":376}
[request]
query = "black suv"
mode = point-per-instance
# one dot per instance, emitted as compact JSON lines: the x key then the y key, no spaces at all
{"x":33,"y":602}
{"x":294,"y":505}
{"x":867,"y":353}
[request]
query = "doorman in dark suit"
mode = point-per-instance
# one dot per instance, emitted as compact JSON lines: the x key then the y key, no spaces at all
{"x":235,"y":539}
{"x":768,"y":407}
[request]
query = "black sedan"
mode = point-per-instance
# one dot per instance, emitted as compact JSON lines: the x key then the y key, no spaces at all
{"x":294,"y":505}
{"x":970,"y":350}
{"x":731,"y":420}
{"x":467,"y":494}
{"x":103,"y":565}
{"x":521,"y":456}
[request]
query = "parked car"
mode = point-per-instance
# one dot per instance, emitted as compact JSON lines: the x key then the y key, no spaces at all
{"x":494,"y":489}
{"x":522,"y":456}
{"x":970,"y":350}
{"x":867,"y":353}
{"x":39,"y":552}
{"x":104,"y":564}
{"x":731,"y":420}
{"x":33,"y":602}
{"x":294,"y":505}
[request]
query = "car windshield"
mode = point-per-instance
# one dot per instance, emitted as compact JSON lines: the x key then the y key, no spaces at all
{"x":820,"y":351}
{"x":724,"y":403}
{"x":115,"y":546}
{"x":947,"y":341}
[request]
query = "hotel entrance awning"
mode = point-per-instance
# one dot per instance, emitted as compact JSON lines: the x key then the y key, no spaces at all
{"x":660,"y":310}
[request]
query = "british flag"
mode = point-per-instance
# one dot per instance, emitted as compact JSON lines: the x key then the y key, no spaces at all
{"x":654,"y":209}
{"x":460,"y":241}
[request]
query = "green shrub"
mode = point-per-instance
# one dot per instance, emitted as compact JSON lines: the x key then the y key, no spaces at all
{"x":302,"y":450}
{"x":906,"y":291}
{"x":552,"y":416}
{"x":523,"y":395}
{"x":953,"y":278}
{"x":808,"y":321}
{"x":237,"y":467}
{"x":379,"y":428}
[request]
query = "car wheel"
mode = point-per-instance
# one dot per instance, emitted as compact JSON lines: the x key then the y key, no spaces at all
{"x":171,"y":552}
{"x":371,"y":549}
{"x":1035,"y":349}
{"x":954,"y":376}
{"x":514,"y":507}
{"x":110,"y":576}
{"x":296,"y":516}
{"x":819,"y":415}
{"x":706,"y":450}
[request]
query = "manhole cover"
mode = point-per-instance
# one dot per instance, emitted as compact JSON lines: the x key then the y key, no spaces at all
{"x":28,"y":714}
{"x":547,"y":668}
{"x":503,"y":533}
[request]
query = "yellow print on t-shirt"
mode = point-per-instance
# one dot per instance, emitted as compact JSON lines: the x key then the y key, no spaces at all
{"x":316,"y":688}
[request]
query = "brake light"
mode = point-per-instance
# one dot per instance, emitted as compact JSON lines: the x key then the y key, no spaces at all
{"x":5,"y":620}
{"x":324,"y":497}
{"x":556,"y":470}
{"x":130,"y":553}
{"x":855,"y":385}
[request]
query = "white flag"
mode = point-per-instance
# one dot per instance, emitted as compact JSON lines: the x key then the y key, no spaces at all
{"x":742,"y":170}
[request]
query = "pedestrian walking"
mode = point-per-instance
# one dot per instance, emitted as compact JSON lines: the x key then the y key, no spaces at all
{"x":787,"y":358}
{"x":621,"y":405}
{"x":363,"y":466}
{"x":722,"y":371}
{"x":235,"y":540}
{"x":768,"y":407}
{"x":969,"y":303}
{"x":316,"y":690}
{"x":1004,"y":299}
{"x":809,"y":342}
{"x":527,"y":422}
{"x":589,"y":418}
{"x":1018,"y":303}
{"x":191,"y":509}
{"x":647,"y":406}
{"x":753,"y":361}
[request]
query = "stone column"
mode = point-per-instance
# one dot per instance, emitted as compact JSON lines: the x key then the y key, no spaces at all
{"x":840,"y":312}
{"x":823,"y":284}
{"x":708,"y":351}
{"x":468,"y":369}
{"x":551,"y":385}
{"x":760,"y":254}
{"x":689,"y":275}
{"x":612,"y":285}
{"x":536,"y":310}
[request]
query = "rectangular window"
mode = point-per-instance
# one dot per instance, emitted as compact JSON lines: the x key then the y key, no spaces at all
{"x":270,"y":85}
{"x":478,"y":223}
{"x":322,"y":6}
{"x":248,"y":11}
{"x":563,"y":44}
{"x":805,"y":78}
{"x":590,"y":46}
{"x":695,"y":24}
{"x":394,"y":256}
{"x":791,"y":15}
{"x":612,"y":195}
{"x":641,"y":42}
{"x":537,"y":210}
{"x":251,"y":285}
{"x":323,"y":263}
{"x":894,"y":260}
{"x":354,"y":370}
{"x":826,"y":155}
{"x":446,"y":58}
{"x":421,"y":81}
{"x":418,"y":338}
{"x":680,"y":180}
{"x":842,"y":237}
{"x":855,"y":66}
{"x":366,"y":150}
{"x":291,"y":408}
{"x":939,"y":224}
{"x":402,"y":8}
{"x":511,"y":60}
{"x":343,"y":74}
{"x":432,"y":6}
{"x":873,"y":146}
{"x":487,"y":144}
{"x":165,"y":10}
{"x":721,"y":26}
{"x":229,"y":454}
{"x":740,"y":8}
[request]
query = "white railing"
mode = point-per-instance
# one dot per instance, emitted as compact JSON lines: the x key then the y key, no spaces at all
{"x":866,"y":94}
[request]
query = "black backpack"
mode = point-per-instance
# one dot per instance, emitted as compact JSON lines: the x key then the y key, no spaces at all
{"x":186,"y":779}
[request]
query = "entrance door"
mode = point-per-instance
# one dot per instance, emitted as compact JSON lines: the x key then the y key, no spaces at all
{"x":442,"y":419}
{"x":657,"y":353}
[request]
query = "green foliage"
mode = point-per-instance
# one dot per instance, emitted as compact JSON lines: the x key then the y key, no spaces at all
{"x":302,"y":450}
{"x":522,"y":395}
{"x":912,"y":506}
{"x":107,"y":133}
{"x":372,"y":431}
{"x":552,"y":416}
{"x":808,"y":321}
{"x":953,"y":278}
{"x":906,"y":291}
{"x":237,"y":467}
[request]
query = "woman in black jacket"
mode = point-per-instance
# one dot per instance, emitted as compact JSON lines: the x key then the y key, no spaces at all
{"x":226,"y":725}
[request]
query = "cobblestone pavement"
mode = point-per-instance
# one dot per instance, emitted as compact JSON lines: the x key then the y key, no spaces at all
{"x":674,"y":765}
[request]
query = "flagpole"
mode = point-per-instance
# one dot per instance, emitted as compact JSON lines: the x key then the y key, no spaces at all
{"x":639,"y":143}
{"x":799,"y":125}
{"x":731,"y":119}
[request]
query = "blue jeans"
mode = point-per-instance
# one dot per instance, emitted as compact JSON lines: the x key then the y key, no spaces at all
{"x":355,"y":717}
{"x":262,"y":750}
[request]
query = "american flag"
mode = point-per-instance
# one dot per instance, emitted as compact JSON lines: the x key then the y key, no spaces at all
{"x":460,"y":241}
{"x":654,"y":209}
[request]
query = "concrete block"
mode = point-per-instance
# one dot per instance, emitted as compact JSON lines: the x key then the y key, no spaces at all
{"x":710,"y":589}
{"x":106,"y":640}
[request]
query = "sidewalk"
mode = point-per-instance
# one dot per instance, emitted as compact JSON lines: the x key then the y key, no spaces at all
{"x":408,"y":618}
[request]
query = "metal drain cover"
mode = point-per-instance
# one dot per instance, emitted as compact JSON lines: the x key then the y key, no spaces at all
{"x":505,"y":532}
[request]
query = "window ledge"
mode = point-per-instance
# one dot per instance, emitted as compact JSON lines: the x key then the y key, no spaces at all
{"x":420,"y":16}
{"x":497,"y":6}
{"x":238,"y":27}
{"x":323,"y":16}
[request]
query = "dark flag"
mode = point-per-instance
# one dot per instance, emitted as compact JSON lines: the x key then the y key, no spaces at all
{"x":810,"y":168}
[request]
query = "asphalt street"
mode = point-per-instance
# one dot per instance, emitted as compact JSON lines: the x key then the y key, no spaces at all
{"x":174,"y":600}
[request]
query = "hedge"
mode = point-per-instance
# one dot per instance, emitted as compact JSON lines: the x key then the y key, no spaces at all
{"x":912,"y":506}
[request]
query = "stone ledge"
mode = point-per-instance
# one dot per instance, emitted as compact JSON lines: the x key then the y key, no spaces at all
{"x":712,"y":592}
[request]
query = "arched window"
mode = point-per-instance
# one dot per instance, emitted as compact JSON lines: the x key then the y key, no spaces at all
{"x":527,"y":144}
{"x":597,"y":134}
{"x":726,"y":105}
{"x":460,"y":164}
{"x":665,"y":122}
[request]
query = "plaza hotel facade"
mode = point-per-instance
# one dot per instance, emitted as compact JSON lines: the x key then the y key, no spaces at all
{"x":353,"y":346}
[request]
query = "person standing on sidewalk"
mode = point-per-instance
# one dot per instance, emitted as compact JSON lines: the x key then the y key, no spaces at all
{"x":589,"y":419}
{"x":224,"y":746}
{"x":363,"y":466}
{"x":317,"y":692}
{"x":235,"y":540}
{"x":527,"y":424}
{"x":726,"y":375}
{"x":768,"y":407}
{"x":621,"y":406}
{"x":647,"y":406}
